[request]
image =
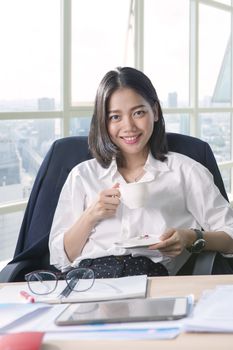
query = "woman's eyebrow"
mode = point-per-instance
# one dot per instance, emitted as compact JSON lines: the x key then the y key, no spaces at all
{"x":113,"y":111}
{"x":136,"y":107}
{"x":131,"y":109}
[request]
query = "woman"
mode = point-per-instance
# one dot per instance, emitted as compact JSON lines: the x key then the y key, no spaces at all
{"x":128,"y":143}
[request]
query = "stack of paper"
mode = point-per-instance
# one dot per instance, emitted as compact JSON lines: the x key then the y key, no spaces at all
{"x":214,"y":311}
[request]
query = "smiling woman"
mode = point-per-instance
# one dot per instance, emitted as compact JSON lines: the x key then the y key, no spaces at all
{"x":133,"y":109}
{"x":130,"y":127}
{"x":49,"y":51}
{"x":128,"y":141}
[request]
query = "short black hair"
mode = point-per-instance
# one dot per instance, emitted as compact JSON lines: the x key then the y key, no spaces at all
{"x":100,"y":144}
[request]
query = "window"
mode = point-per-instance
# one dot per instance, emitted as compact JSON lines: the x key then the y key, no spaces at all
{"x":54,"y":53}
{"x":214,"y":57}
{"x":101,"y":41}
{"x":166,"y":50}
{"x":30,"y":55}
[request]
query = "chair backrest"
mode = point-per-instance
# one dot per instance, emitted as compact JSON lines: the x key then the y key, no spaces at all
{"x":63,"y":155}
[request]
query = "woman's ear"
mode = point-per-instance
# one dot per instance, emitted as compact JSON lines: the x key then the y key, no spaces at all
{"x":156,"y":112}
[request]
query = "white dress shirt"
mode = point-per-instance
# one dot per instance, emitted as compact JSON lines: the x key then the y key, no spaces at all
{"x":182,"y":194}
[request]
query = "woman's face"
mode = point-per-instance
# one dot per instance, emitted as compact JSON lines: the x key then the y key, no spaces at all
{"x":130,"y":121}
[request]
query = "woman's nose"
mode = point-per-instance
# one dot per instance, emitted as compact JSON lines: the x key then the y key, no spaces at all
{"x":128,"y":123}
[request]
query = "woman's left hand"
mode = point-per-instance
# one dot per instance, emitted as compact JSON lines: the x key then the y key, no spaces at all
{"x":174,"y":241}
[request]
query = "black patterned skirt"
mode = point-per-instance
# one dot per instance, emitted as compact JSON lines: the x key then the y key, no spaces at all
{"x":124,"y":265}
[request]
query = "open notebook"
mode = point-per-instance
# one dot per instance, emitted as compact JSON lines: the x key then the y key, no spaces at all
{"x":102,"y":289}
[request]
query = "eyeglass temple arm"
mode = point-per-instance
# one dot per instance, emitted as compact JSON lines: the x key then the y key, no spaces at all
{"x":69,"y":288}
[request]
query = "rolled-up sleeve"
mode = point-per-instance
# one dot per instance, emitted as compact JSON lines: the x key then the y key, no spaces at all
{"x":69,"y":208}
{"x":206,"y":203}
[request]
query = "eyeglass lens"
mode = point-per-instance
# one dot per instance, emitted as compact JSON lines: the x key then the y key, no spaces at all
{"x":45,"y":282}
{"x":80,"y":279}
{"x":42,"y":282}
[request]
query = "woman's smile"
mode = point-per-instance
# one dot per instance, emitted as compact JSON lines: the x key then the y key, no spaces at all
{"x":131,"y":140}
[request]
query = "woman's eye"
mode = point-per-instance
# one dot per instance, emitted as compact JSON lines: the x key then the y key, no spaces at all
{"x":114,"y":117}
{"x":138,"y":114}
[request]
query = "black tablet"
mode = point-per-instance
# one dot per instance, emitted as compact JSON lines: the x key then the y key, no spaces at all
{"x":131,"y":310}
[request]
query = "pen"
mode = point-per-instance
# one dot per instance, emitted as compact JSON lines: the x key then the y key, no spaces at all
{"x":27,"y":296}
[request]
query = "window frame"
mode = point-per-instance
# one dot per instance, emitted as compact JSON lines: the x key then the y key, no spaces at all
{"x":68,"y":111}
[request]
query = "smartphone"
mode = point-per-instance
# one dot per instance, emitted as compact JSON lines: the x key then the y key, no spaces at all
{"x":130,"y":310}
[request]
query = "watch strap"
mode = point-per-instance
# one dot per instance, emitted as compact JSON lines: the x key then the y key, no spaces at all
{"x":199,"y":242}
{"x":199,"y":234}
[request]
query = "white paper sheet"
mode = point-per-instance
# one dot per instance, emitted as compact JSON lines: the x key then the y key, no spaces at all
{"x":213,"y":312}
{"x":14,"y":314}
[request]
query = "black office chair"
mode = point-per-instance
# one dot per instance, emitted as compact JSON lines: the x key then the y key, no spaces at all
{"x":32,"y":247}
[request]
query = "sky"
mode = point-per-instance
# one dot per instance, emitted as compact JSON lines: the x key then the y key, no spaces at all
{"x":30,"y":46}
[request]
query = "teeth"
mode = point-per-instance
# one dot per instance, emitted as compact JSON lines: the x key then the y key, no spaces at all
{"x":130,"y":138}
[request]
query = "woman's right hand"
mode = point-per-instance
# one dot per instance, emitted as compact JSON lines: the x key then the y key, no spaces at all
{"x":106,"y":204}
{"x":104,"y":207}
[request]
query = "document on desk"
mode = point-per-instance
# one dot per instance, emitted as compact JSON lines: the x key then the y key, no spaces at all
{"x":102,"y":289}
{"x":13,"y":314}
{"x":213,"y":312}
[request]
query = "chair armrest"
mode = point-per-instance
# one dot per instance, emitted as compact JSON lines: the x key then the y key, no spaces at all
{"x":204,"y":263}
{"x":14,"y":272}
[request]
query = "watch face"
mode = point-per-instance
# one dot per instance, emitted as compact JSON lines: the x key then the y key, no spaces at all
{"x":198,"y":245}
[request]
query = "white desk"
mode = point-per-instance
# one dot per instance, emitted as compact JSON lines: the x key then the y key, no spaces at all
{"x":163,"y":286}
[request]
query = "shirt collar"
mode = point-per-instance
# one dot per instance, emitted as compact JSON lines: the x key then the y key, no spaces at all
{"x":152,"y":166}
{"x":111,"y":170}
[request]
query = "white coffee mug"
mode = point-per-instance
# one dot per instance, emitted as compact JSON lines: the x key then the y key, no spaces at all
{"x":134,"y":195}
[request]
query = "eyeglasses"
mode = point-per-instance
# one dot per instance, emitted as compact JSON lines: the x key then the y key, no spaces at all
{"x":42,"y":282}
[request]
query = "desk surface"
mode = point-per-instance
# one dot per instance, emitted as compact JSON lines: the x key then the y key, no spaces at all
{"x":163,"y":286}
